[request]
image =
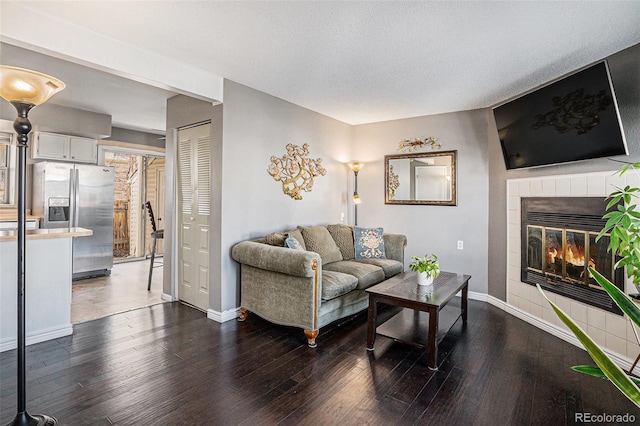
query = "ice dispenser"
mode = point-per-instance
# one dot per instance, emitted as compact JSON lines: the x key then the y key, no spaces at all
{"x":58,"y":209}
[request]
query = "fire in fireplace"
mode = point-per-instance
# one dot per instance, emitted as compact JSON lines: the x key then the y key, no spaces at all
{"x":559,"y":245}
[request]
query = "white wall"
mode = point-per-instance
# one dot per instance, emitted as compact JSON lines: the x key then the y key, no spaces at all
{"x":256,"y":127}
{"x":432,"y":229}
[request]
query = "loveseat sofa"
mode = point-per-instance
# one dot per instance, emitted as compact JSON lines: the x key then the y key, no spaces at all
{"x":321,"y":279}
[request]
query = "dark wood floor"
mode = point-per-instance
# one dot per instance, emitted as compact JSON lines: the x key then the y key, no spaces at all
{"x":169,"y":365}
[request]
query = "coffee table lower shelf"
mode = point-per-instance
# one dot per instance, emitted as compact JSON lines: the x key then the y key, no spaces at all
{"x":412,"y":327}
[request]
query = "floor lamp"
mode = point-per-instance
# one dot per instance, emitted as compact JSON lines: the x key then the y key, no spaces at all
{"x":25,"y":89}
{"x":356,"y":167}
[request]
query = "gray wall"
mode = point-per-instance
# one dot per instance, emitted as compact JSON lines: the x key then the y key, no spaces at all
{"x":256,"y":127}
{"x":432,"y":229}
{"x":140,"y":138}
{"x":625,"y":74}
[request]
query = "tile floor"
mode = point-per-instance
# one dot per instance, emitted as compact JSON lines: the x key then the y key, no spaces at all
{"x":123,"y":290}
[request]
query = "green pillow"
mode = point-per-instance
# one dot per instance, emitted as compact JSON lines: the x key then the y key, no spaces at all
{"x":318,"y":239}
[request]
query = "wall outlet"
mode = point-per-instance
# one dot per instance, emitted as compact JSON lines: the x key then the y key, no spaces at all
{"x":460,"y":244}
{"x":342,"y":217}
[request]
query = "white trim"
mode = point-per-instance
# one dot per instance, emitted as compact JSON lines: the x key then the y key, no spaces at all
{"x":225,"y":316}
{"x":474,"y":295}
{"x":40,"y":336}
{"x":167,"y":297}
{"x":496,"y":302}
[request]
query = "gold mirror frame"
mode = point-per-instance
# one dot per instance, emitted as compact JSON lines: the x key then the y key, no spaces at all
{"x":393,"y":181}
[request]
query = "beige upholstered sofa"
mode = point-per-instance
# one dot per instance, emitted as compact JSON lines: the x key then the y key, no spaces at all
{"x":320,"y":280}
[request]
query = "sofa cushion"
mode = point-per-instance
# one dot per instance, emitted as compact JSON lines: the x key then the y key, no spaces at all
{"x":343,"y":236}
{"x":369,"y":243}
{"x":389,"y":266}
{"x":367,"y":275}
{"x":318,"y":239}
{"x":335,"y":284}
{"x":292,"y":243}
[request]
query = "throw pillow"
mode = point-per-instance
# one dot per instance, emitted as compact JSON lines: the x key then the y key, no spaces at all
{"x":369,"y":243}
{"x":295,"y":233}
{"x":318,"y":239}
{"x":343,"y":236}
{"x":275,"y":238}
{"x":292,"y":243}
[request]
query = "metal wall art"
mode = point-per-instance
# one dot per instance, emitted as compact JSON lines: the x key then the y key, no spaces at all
{"x":296,"y":170}
{"x":410,"y":145}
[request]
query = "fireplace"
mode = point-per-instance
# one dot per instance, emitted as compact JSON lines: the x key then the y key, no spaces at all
{"x":559,"y":245}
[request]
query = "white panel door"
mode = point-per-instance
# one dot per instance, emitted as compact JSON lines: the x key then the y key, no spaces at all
{"x":194,"y":211}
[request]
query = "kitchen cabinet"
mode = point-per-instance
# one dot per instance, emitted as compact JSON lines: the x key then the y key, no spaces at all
{"x":53,"y":146}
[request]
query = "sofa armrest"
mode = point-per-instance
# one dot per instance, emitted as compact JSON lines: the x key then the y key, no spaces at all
{"x":287,"y":261}
{"x":394,"y":245}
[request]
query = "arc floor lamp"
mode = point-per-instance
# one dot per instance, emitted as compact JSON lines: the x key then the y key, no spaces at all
{"x":355,"y":168}
{"x":25,"y":89}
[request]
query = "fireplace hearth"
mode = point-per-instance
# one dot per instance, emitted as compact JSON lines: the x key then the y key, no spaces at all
{"x":559,"y":245}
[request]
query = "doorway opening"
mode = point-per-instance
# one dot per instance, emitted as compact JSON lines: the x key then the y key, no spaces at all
{"x":138,"y":178}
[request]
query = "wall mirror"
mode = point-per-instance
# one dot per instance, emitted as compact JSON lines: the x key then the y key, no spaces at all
{"x":421,"y":178}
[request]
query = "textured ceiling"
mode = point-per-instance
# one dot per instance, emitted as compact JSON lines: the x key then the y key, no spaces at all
{"x":362,"y":62}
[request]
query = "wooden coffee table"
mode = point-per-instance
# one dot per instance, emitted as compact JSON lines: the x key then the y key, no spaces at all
{"x":419,"y":322}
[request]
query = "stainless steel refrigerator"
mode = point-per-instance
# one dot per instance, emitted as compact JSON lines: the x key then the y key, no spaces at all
{"x":78,"y":195}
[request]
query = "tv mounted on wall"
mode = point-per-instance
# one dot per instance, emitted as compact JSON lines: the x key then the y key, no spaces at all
{"x":575,"y":118}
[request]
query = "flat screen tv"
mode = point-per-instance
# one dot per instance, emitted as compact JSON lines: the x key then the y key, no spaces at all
{"x":575,"y":118}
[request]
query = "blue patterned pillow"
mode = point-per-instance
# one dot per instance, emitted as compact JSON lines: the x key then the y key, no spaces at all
{"x":292,"y":243}
{"x":369,"y":243}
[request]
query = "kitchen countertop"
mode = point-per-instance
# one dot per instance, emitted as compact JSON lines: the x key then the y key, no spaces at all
{"x":41,"y":234}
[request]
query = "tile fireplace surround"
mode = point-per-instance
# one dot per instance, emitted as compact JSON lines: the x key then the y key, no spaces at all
{"x":612,"y":332}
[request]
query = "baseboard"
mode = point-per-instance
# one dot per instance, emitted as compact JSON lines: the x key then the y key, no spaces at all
{"x":554,"y":330}
{"x":225,"y":316}
{"x":41,"y":336}
{"x":167,"y":297}
{"x":473,"y":295}
{"x":496,"y":302}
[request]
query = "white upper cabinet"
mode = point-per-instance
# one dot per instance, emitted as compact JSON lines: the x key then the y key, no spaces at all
{"x":53,"y":146}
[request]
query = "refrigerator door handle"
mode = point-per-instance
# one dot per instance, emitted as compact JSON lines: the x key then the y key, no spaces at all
{"x":72,"y":191}
{"x":76,"y":198}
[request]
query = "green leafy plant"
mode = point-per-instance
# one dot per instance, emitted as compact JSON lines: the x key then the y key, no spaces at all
{"x":428,"y":263}
{"x":623,"y":227}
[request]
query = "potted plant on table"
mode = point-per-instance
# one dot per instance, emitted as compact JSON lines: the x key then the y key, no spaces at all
{"x":427,"y":268}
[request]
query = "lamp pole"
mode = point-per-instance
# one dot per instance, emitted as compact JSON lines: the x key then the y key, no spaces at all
{"x":355,"y":166}
{"x":356,"y":199}
{"x":24,"y":89}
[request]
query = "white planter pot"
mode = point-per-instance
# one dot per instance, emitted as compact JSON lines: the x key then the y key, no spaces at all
{"x":424,"y":278}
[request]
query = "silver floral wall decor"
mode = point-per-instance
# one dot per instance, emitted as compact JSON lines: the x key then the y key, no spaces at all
{"x":296,"y":170}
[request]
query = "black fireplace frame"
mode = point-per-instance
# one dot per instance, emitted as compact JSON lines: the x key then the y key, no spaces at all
{"x":572,"y":213}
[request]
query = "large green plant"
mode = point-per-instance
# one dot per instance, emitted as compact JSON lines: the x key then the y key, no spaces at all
{"x":623,"y":228}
